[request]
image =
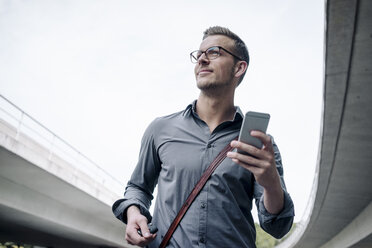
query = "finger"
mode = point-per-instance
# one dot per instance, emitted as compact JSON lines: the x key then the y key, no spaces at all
{"x":131,"y":234}
{"x":251,"y":150}
{"x":134,"y":238}
{"x":145,"y":241}
{"x":255,"y":157}
{"x":265,"y":139}
{"x":268,"y":152}
{"x":253,"y":169}
{"x":246,"y":159}
{"x":144,"y":229}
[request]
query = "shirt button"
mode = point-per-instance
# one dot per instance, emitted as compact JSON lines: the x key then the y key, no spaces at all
{"x":203,"y":205}
{"x":209,"y":145}
{"x":201,"y":240}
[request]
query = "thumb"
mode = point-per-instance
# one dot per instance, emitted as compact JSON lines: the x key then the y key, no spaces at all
{"x":144,"y":229}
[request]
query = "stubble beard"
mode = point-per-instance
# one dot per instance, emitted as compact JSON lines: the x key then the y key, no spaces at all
{"x":215,"y":86}
{"x":212,"y":86}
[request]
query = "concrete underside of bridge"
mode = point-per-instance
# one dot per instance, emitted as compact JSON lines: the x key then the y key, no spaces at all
{"x":33,"y":210}
{"x":47,"y":202}
{"x":340,"y":212}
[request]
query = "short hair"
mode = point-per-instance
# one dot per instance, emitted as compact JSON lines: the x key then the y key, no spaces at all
{"x":240,"y":49}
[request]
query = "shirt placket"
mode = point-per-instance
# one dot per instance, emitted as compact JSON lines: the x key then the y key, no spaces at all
{"x":202,"y":218}
{"x":203,"y":196}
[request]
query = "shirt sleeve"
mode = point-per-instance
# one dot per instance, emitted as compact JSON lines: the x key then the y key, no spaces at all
{"x":275,"y":224}
{"x":139,"y":190}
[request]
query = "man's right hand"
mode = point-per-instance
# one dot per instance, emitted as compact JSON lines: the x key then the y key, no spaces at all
{"x":137,"y":221}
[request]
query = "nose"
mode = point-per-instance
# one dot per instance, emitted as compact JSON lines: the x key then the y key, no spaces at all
{"x":202,"y":60}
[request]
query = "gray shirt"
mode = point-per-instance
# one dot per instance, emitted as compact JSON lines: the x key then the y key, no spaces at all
{"x":175,"y":151}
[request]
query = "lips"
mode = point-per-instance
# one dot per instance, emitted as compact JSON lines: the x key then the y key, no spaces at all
{"x":204,"y":71}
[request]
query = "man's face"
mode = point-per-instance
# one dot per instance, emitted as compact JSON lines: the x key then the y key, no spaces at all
{"x":211,"y":74}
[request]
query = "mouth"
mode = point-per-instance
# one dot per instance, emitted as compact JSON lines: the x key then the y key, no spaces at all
{"x":204,"y":71}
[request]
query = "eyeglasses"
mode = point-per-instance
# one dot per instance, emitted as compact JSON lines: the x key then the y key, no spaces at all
{"x":211,"y":53}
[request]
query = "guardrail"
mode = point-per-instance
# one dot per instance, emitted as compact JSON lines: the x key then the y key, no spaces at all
{"x":25,"y":124}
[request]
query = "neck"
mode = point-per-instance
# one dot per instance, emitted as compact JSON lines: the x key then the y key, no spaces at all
{"x":215,"y":110}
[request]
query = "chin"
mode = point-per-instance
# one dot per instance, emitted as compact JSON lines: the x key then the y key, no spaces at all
{"x":207,"y":86}
{"x":203,"y":85}
{"x":211,"y":85}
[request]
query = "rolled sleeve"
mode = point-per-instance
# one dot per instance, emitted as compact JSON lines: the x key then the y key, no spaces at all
{"x":277,"y":224}
{"x":133,"y":196}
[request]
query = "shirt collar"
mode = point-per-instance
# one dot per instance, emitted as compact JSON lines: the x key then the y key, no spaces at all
{"x":191,"y":109}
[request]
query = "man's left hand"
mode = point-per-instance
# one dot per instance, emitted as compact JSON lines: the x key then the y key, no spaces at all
{"x":261,"y":162}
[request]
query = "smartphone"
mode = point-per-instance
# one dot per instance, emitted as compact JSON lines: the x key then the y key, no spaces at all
{"x":152,"y":228}
{"x":253,"y":121}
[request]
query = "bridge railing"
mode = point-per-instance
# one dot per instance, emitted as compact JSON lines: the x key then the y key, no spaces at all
{"x":27,"y":125}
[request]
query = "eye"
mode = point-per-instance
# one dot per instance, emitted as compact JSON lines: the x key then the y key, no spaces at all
{"x":213,"y":52}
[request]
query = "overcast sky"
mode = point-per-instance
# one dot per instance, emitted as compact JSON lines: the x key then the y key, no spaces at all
{"x":98,"y":72}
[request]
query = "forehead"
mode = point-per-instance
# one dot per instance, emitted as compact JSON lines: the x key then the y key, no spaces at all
{"x":216,"y":40}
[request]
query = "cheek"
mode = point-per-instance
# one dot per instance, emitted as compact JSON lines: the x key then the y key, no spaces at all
{"x":232,"y":72}
{"x":228,"y":71}
{"x":195,"y":69}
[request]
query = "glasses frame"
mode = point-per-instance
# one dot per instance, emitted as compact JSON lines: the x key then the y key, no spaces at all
{"x":206,"y":56}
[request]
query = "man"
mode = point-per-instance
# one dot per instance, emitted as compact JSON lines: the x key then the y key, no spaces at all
{"x":176,"y":149}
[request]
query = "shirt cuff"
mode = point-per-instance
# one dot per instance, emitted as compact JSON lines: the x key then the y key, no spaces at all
{"x":120,"y":209}
{"x":287,"y":211}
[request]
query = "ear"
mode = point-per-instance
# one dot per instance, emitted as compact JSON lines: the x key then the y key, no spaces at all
{"x":240,"y":68}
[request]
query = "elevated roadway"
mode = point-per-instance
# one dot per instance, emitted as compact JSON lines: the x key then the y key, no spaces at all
{"x":51,"y":195}
{"x":339,"y":213}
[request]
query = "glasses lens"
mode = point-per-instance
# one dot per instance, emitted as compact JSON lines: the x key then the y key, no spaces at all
{"x":213,"y":52}
{"x":194,"y":56}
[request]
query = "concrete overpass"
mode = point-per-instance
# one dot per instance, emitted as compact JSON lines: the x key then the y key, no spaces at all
{"x":339,"y":213}
{"x":51,"y":195}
